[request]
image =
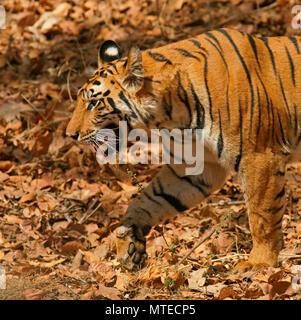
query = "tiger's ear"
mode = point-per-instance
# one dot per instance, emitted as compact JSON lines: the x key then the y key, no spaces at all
{"x":108,"y":52}
{"x":132,"y":79}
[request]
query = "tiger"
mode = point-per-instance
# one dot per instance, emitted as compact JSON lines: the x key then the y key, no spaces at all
{"x":242,"y":91}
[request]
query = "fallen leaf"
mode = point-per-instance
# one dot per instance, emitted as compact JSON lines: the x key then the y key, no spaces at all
{"x":3,"y":176}
{"x":102,"y":250}
{"x":33,"y":294}
{"x":109,"y":293}
{"x":44,"y":264}
{"x":72,"y":246}
{"x":89,"y":256}
{"x":227,"y":292}
{"x":76,"y":261}
{"x":253,"y":293}
{"x":5,"y":165}
{"x":279,"y":287}
{"x":11,"y":219}
{"x":197,"y":279}
{"x":27,"y":197}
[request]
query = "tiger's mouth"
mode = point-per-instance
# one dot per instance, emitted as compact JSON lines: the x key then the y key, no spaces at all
{"x":108,"y":136}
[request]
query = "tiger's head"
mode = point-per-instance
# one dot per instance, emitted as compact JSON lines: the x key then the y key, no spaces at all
{"x":116,"y":92}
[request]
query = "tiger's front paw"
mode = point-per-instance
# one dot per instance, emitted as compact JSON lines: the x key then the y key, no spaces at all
{"x":244,"y":266}
{"x":130,"y":250}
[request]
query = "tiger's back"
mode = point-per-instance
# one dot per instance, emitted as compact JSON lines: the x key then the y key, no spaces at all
{"x":246,"y":86}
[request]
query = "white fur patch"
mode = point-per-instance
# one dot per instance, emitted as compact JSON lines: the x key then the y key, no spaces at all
{"x":112,"y":51}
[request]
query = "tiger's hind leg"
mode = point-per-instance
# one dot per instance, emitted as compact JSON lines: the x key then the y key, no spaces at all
{"x":263,"y":183}
{"x":169,"y":192}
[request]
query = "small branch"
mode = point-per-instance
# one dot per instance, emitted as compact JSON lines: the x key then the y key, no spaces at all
{"x":229,"y":203}
{"x":230,"y":256}
{"x":68,"y":86}
{"x":89,"y":213}
{"x":197,"y":245}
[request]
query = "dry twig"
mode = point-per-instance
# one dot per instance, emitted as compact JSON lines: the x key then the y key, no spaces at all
{"x":196,"y":246}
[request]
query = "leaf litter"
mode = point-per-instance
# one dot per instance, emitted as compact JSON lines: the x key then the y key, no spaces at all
{"x":59,"y":209}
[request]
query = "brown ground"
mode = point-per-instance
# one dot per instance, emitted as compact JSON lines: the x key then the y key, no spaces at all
{"x":58,"y":208}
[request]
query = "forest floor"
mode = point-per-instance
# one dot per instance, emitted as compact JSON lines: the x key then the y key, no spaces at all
{"x":59,"y":208}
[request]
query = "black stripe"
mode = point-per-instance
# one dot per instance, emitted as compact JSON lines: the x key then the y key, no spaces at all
{"x":197,"y":44}
{"x":267,"y":101}
{"x":159,"y":57}
{"x":114,"y":66}
{"x":113,"y":105}
{"x":186,"y":53}
{"x":146,"y":211}
{"x":254,"y":48}
{"x":296,"y":119}
{"x":226,"y":34}
{"x":97,"y":94}
{"x":238,"y":158}
{"x":188,"y":180}
{"x":167,"y":105}
{"x":106,"y":93}
{"x":276,"y":223}
{"x":266,"y":43}
{"x":183,"y":97}
{"x":124,"y":99}
{"x":207,"y":87}
{"x":273,"y":118}
{"x":281,"y":130}
{"x":285,"y":101}
{"x":298,"y":140}
{"x":276,"y":210}
{"x":259,"y":115}
{"x":280,"y":194}
{"x":294,"y":41}
{"x":291,"y":62}
{"x":220,"y":141}
{"x":219,"y":50}
{"x":173,"y":201}
{"x":96,"y":83}
{"x":199,"y":109}
{"x":280,"y":173}
{"x":210,"y":35}
{"x":103,"y":74}
{"x":151,"y":80}
{"x":151,"y":199}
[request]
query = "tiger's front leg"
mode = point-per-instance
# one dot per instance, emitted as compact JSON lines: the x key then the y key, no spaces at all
{"x":170,"y":192}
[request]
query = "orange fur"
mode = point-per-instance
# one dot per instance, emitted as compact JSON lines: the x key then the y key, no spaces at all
{"x":245,"y":92}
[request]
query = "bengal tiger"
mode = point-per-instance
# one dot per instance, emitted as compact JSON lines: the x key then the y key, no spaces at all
{"x":243,"y":91}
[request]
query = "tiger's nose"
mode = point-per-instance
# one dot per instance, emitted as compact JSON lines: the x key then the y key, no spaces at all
{"x":75,"y":136}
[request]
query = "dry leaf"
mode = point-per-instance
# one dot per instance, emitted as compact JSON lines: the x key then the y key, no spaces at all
{"x":227,"y":292}
{"x":5,"y":165}
{"x":28,"y":197}
{"x":3,"y":176}
{"x":33,"y":294}
{"x":90,"y":256}
{"x":11,"y":219}
{"x":197,"y":279}
{"x":72,"y":246}
{"x":109,"y":293}
{"x":102,"y":250}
